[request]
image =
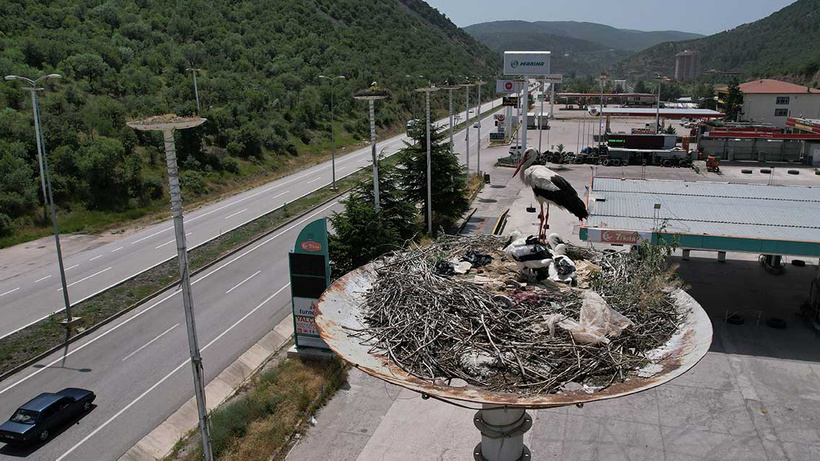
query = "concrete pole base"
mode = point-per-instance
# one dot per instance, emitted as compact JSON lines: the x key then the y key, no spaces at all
{"x":502,"y":434}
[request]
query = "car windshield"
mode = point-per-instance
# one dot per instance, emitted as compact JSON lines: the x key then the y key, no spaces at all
{"x":24,"y":416}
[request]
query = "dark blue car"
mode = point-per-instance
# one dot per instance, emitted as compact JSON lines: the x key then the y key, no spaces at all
{"x":44,"y":415}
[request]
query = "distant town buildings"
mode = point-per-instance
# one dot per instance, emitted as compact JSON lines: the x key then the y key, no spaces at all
{"x":686,"y":65}
{"x":773,"y":102}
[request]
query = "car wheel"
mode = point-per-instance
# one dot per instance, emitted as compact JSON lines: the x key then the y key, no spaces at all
{"x":87,"y":405}
{"x":43,"y":436}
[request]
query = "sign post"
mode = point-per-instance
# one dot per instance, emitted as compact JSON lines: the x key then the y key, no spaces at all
{"x":309,"y":277}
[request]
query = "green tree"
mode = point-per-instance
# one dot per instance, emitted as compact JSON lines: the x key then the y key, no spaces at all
{"x":18,"y":187}
{"x":733,"y":101}
{"x":640,"y":87}
{"x":703,"y":95}
{"x":449,"y":181}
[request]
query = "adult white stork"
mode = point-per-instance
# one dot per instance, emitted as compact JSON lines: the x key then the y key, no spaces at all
{"x":549,"y":188}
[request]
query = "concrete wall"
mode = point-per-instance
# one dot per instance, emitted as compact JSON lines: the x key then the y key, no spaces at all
{"x":753,"y":149}
{"x":760,"y":108}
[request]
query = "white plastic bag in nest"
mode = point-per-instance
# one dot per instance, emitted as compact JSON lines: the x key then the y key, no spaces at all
{"x":598,"y":321}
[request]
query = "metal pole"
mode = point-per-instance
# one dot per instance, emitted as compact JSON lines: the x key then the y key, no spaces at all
{"x":658,"y":110}
{"x":478,"y":145}
{"x":452,"y":128}
{"x":601,"y":116}
{"x":373,"y":153}
{"x":429,"y":174}
{"x":541,"y":114}
{"x":45,"y":178}
{"x":552,"y":99}
{"x":196,"y":92}
{"x":526,"y":112}
{"x":185,"y":287}
{"x":332,"y":136}
{"x":467,"y":117}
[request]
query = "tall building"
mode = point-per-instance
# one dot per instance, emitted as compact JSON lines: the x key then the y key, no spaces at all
{"x":686,"y":65}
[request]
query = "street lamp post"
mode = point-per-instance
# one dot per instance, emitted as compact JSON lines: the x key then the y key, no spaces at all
{"x":478,"y":83}
{"x":602,"y":79}
{"x":658,"y":105}
{"x":332,"y":127}
{"x":196,"y":89}
{"x":45,"y":180}
{"x":167,"y":124}
{"x":467,"y":118}
{"x":427,"y":91}
{"x":371,"y":95}
{"x":450,"y":89}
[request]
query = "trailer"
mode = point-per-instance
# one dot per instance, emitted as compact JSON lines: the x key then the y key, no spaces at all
{"x":617,"y":156}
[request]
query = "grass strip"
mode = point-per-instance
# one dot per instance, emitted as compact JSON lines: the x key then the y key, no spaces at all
{"x":259,"y":423}
{"x":43,"y":336}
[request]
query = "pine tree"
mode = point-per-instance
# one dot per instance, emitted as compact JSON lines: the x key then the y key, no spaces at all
{"x":449,"y":180}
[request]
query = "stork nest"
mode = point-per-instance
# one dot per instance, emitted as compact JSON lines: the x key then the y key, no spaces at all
{"x":486,"y":327}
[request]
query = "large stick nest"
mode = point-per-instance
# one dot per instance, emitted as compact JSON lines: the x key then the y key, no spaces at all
{"x":487,"y":327}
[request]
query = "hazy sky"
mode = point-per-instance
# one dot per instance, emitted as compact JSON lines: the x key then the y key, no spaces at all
{"x":699,"y":16}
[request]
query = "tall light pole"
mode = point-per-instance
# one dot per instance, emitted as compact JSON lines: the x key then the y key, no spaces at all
{"x":332,"y":127}
{"x":412,"y":81}
{"x":427,"y":91}
{"x":45,"y":179}
{"x":466,"y":87}
{"x":658,"y":105}
{"x":450,"y":89}
{"x":526,"y":117}
{"x":602,"y":79}
{"x":371,"y":95}
{"x":196,"y":89}
{"x":542,"y":96}
{"x":478,"y":83}
{"x":167,"y":124}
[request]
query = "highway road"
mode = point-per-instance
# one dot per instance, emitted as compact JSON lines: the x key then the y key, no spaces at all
{"x":35,"y":293}
{"x":138,"y":365}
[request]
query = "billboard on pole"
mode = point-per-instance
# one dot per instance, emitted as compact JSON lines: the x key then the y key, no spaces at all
{"x":554,"y":78}
{"x":532,"y":63}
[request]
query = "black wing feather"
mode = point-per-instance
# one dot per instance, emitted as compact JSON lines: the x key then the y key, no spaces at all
{"x":566,"y":197}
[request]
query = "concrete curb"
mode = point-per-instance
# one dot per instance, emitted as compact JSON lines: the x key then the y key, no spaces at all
{"x":159,"y":443}
{"x":130,"y":308}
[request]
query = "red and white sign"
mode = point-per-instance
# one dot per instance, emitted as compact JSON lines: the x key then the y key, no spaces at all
{"x":499,"y":117}
{"x":306,"y":326}
{"x":312,"y":246}
{"x":508,"y":86}
{"x":626,"y":237}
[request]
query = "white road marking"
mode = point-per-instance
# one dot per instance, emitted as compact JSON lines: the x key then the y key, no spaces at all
{"x":172,"y":241}
{"x":40,"y":280}
{"x":240,"y":283}
{"x":314,"y":180}
{"x":279,"y":195}
{"x":194,"y":282}
{"x":340,"y":169}
{"x":117,"y":249}
{"x":152,"y":235}
{"x":149,"y":343}
{"x":95,"y":257}
{"x":164,"y":378}
{"x":234,"y":214}
{"x":86,"y":278}
{"x":72,"y":267}
{"x":9,"y":292}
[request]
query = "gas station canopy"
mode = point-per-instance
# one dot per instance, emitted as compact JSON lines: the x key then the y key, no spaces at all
{"x":702,"y":215}
{"x":664,"y":113}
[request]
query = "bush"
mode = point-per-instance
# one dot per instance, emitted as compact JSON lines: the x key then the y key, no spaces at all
{"x":6,"y":226}
{"x":193,"y":183}
{"x":231,"y":165}
{"x":152,"y":187}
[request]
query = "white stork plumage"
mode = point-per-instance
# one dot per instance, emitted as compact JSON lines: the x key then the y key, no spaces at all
{"x":549,"y":188}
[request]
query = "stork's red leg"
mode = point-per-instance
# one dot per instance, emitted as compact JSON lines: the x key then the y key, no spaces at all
{"x":547,"y":221}
{"x":541,"y":224}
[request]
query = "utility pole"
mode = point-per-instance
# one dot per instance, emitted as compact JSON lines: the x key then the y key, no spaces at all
{"x":526,"y":113}
{"x":450,"y":89}
{"x":167,"y":124}
{"x":658,"y":106}
{"x":478,"y":83}
{"x":45,"y":182}
{"x":602,"y":79}
{"x":541,"y":113}
{"x":427,"y":91}
{"x":333,"y":126}
{"x":371,"y":95}
{"x":196,"y":90}
{"x":467,"y":118}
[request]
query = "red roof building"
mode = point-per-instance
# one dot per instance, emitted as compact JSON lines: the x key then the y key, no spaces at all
{"x":773,"y":102}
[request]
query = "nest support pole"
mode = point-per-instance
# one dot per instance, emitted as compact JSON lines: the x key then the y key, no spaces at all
{"x":502,"y":434}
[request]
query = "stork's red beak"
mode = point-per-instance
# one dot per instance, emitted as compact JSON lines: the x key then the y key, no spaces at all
{"x":520,"y":162}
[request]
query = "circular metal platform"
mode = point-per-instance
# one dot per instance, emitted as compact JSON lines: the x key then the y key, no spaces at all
{"x":340,"y":308}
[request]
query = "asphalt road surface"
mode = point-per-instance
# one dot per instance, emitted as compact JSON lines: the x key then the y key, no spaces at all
{"x":138,"y":365}
{"x":35,"y":293}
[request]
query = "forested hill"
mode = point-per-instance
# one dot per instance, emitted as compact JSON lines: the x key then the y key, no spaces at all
{"x":782,"y":45}
{"x":577,"y":47}
{"x":258,"y":86}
